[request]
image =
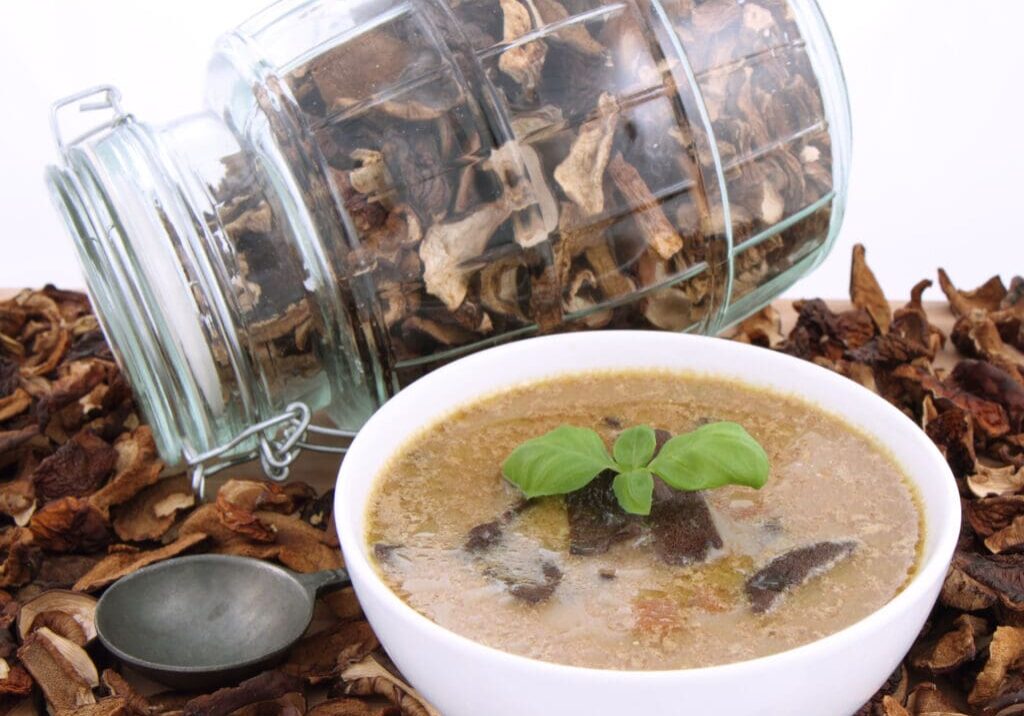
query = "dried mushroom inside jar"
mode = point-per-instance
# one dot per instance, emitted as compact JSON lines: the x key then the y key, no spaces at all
{"x":507,"y":167}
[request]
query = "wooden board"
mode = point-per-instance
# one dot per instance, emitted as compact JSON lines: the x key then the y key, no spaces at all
{"x":320,"y":469}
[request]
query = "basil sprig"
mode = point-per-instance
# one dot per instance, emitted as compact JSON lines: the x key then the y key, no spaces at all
{"x":568,"y":458}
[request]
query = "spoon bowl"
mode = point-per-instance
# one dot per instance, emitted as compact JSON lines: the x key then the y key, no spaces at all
{"x":205,"y":620}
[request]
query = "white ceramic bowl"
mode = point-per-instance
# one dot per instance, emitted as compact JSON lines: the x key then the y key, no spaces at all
{"x":831,"y":677}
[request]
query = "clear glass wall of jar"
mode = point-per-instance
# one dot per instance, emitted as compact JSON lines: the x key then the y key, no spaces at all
{"x":381,"y":186}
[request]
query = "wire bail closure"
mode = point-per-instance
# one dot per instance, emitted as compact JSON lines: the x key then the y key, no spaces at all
{"x":280,"y":441}
{"x":109,"y":97}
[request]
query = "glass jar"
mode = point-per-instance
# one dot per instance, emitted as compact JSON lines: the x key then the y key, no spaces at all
{"x":380,"y":186}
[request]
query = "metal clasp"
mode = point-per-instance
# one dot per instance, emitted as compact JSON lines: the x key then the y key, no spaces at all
{"x":281,"y":439}
{"x":109,"y":98}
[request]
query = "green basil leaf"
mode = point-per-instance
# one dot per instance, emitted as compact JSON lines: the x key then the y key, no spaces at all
{"x":711,"y":456}
{"x":635,"y":447}
{"x":561,"y":461}
{"x":633,"y":490}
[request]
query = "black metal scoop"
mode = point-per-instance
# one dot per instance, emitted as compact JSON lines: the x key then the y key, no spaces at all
{"x":206,"y":620}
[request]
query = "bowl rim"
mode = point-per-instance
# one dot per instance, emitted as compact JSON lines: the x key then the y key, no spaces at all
{"x":931,"y":570}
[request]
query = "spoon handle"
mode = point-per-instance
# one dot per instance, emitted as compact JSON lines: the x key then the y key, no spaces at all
{"x":315,"y":581}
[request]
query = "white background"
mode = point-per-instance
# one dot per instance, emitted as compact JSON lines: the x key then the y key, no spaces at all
{"x":938,"y":114}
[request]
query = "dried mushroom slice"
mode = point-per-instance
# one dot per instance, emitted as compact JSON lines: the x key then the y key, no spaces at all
{"x":932,"y":700}
{"x":895,"y":687}
{"x":120,"y":563}
{"x":989,"y":418}
{"x":264,"y":495}
{"x":792,"y":569}
{"x":596,"y":521}
{"x":286,"y":538}
{"x":70,"y":524}
{"x":581,"y":173}
{"x":317,"y":658}
{"x":960,"y":591}
{"x":951,"y":649}
{"x":370,"y":677}
{"x":266,"y":686}
{"x":353,"y":707}
{"x":137,"y":467}
{"x":81,"y":608}
{"x":77,"y":468}
{"x":120,"y":688}
{"x":14,"y":680}
{"x":10,"y":440}
{"x":1008,"y":539}
{"x":62,"y":669}
{"x":891,"y":707}
{"x":14,"y":404}
{"x":992,"y":514}
{"x":343,"y":604}
{"x":763,"y":329}
{"x":952,"y":431}
{"x":866,"y":293}
{"x":523,"y":62}
{"x":153,"y":511}
{"x":1001,"y":573}
{"x":447,"y":247}
{"x":654,"y":226}
{"x":978,"y":336}
{"x":529,"y":588}
{"x":18,"y":496}
{"x":111,"y":706}
{"x":996,"y":481}
{"x":20,"y":557}
{"x":1005,"y":650}
{"x":682,"y":527}
{"x":991,"y":383}
{"x":986,"y":297}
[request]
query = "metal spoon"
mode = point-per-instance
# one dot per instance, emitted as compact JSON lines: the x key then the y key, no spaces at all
{"x":207,"y":620}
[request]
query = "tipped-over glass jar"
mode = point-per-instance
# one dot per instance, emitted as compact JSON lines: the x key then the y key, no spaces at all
{"x":381,"y":186}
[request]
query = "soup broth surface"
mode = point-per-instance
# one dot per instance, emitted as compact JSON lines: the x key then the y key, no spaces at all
{"x":626,"y":608}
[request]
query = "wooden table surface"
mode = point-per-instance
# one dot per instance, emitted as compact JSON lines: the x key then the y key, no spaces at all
{"x":320,"y":469}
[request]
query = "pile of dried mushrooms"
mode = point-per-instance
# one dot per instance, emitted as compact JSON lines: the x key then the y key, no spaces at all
{"x":970,"y":402}
{"x":85,"y":500}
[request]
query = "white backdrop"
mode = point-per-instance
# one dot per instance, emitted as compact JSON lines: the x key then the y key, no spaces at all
{"x":938,"y":114}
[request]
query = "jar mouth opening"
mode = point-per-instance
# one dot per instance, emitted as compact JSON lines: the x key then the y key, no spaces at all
{"x":130,"y":347}
{"x":130,"y":226}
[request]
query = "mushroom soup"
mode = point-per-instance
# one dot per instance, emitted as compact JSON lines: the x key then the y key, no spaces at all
{"x":707,"y":577}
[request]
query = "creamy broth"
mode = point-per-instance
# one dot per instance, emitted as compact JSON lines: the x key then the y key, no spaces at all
{"x":626,"y":608}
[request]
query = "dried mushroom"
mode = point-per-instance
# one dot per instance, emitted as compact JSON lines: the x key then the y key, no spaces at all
{"x":866,"y":293}
{"x":14,"y":680}
{"x":763,"y":329}
{"x":153,"y":511}
{"x":125,"y":561}
{"x":70,"y":524}
{"x":80,"y":608}
{"x":1005,"y":650}
{"x":62,"y":669}
{"x":354,"y":707}
{"x":265,"y":687}
{"x":787,"y":571}
{"x":263,"y":535}
{"x":952,"y":649}
{"x":581,"y":173}
{"x":319,"y":657}
{"x":972,"y":413}
{"x":370,"y":677}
